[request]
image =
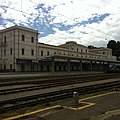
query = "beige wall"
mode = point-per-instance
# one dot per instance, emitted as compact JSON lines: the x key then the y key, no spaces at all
{"x":76,"y":50}
{"x":27,"y":45}
{"x":14,"y":42}
{"x":71,"y":45}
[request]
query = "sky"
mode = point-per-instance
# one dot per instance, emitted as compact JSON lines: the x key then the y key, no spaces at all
{"x":88,"y":22}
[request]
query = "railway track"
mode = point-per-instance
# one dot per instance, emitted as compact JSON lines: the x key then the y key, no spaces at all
{"x":35,"y":80}
{"x":53,"y":83}
{"x":53,"y":94}
{"x":32,"y":76}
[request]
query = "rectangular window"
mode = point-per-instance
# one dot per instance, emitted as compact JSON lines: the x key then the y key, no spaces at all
{"x":10,"y":66}
{"x":10,"y":51}
{"x":77,"y":49}
{"x":22,"y":51}
{"x":41,"y":53}
{"x":23,"y":38}
{"x":32,"y":39}
{"x":47,"y":53}
{"x":4,"y":67}
{"x":48,"y":68}
{"x":32,"y":52}
{"x":5,"y":40}
{"x":4,"y":51}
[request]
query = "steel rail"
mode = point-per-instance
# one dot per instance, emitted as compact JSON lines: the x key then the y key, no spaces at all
{"x":52,"y":96}
{"x":48,"y":85}
{"x":52,"y":79}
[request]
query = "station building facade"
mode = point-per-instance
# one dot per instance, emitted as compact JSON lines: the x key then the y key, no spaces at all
{"x":20,"y":51}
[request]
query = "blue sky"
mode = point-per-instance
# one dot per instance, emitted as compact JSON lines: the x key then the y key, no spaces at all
{"x":87,"y":22}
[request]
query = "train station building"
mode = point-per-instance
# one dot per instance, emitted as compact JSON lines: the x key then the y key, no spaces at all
{"x":20,"y":51}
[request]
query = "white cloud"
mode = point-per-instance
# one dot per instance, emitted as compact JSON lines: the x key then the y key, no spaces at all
{"x":70,"y":12}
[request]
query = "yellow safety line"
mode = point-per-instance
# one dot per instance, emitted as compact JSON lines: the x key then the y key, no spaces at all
{"x":79,"y":108}
{"x":96,"y":96}
{"x":66,"y":107}
{"x":31,"y":113}
{"x":86,"y":106}
{"x":89,"y":104}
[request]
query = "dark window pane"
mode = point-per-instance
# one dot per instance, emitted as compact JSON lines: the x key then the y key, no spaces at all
{"x":23,"y":37}
{"x":32,"y":52}
{"x":32,"y":39}
{"x":4,"y":51}
{"x":11,"y":51}
{"x":10,"y":66}
{"x":5,"y":40}
{"x":41,"y":53}
{"x":47,"y":53}
{"x":22,"y":51}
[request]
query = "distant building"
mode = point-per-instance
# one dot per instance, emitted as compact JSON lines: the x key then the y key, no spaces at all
{"x":20,"y":51}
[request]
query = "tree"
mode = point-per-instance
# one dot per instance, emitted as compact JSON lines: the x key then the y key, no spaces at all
{"x":113,"y":45}
{"x":117,"y":54}
{"x":118,"y":45}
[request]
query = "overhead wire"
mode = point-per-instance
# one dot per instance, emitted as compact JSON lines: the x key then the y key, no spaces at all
{"x":87,"y":26}
{"x":78,"y":21}
{"x":14,"y":9}
{"x":21,"y":5}
{"x":38,"y":14}
{"x":58,"y":14}
{"x":21,"y":11}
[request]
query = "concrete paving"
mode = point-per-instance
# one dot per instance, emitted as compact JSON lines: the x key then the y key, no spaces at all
{"x":16,"y":75}
{"x":114,"y":117}
{"x":102,"y":105}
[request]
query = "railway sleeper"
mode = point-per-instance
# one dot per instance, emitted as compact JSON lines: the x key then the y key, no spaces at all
{"x":55,"y":96}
